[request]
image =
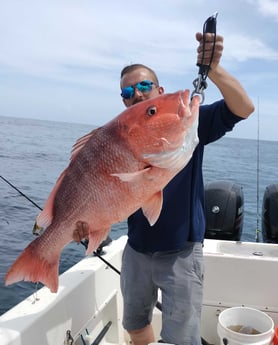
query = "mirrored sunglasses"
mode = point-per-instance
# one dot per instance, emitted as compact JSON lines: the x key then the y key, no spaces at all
{"x":143,"y":86}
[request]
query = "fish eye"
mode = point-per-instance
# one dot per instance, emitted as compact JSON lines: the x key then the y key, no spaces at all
{"x":151,"y":111}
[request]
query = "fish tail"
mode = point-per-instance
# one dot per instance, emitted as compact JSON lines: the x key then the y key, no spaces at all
{"x":30,"y":266}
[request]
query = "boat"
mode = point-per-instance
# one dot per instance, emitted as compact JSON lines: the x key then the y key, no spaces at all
{"x":87,"y":309}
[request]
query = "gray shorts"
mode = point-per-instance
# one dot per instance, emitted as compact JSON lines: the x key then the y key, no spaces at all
{"x":179,"y":275}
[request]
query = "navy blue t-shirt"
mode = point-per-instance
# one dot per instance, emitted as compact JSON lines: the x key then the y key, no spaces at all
{"x":182,"y":216}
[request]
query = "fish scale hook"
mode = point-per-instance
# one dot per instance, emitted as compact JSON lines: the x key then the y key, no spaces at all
{"x":200,"y":83}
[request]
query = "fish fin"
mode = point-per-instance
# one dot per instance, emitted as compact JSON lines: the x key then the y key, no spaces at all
{"x":81,"y":142}
{"x":44,"y":219}
{"x":95,"y":239}
{"x":128,"y":177}
{"x":29,"y":266}
{"x":152,"y":207}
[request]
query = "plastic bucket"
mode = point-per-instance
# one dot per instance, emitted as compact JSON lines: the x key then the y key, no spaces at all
{"x":242,"y":325}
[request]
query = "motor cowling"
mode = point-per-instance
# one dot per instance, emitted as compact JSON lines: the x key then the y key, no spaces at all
{"x":224,"y":205}
{"x":270,"y":214}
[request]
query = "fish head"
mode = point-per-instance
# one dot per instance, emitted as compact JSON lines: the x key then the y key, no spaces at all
{"x":162,"y":131}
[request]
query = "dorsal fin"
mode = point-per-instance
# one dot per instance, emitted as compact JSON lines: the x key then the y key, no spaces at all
{"x":81,"y":142}
{"x":44,"y":219}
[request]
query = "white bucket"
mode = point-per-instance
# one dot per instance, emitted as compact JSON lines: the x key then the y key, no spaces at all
{"x":251,"y":319}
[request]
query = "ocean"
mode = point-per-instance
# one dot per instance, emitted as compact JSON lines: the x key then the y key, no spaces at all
{"x":34,"y":152}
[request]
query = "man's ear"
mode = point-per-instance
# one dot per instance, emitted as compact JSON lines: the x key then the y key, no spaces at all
{"x":160,"y":90}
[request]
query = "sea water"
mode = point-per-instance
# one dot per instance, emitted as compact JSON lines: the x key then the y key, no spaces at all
{"x":33,"y":153}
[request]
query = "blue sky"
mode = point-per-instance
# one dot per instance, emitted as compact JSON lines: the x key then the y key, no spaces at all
{"x":61,"y":59}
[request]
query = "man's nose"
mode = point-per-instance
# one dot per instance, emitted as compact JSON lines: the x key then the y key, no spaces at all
{"x":138,"y":96}
{"x":137,"y":92}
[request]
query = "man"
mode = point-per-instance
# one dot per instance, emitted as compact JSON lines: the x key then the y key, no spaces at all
{"x":168,"y":255}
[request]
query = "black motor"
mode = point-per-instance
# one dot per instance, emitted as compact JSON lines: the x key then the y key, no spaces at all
{"x":224,"y":210}
{"x":270,"y":214}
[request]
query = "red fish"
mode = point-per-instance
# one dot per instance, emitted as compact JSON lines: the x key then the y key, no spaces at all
{"x":114,"y":170}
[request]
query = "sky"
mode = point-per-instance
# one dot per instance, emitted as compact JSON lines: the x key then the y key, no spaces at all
{"x":61,"y":59}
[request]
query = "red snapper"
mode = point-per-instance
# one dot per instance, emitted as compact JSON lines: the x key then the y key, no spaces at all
{"x":114,"y":170}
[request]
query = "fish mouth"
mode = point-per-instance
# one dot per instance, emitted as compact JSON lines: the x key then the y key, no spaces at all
{"x":187,"y":110}
{"x":182,"y":106}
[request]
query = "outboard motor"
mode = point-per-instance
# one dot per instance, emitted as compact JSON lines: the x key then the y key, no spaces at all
{"x":270,"y":214}
{"x":223,"y":210}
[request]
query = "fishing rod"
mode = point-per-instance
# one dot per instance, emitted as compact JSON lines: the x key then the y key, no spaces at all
{"x":25,"y":196}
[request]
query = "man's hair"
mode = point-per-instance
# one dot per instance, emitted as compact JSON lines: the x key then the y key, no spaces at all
{"x":131,"y":68}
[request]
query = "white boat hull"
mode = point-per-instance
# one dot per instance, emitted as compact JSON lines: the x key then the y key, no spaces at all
{"x":89,"y":296}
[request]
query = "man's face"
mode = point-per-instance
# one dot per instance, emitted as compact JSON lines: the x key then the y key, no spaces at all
{"x":134,"y":77}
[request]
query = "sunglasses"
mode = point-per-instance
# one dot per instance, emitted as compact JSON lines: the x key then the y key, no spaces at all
{"x":142,"y":86}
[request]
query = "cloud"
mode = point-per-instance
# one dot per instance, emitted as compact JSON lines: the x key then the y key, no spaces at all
{"x":268,"y":8}
{"x":69,"y":42}
{"x":62,"y":59}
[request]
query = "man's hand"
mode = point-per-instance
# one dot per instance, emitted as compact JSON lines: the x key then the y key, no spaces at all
{"x":81,"y":231}
{"x":209,"y":49}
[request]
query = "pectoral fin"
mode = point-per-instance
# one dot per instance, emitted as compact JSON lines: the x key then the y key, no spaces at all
{"x":128,"y":177}
{"x":152,"y":207}
{"x":95,"y":239}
